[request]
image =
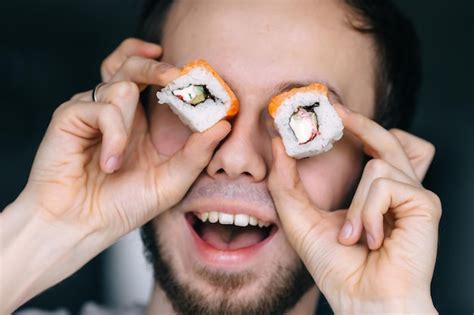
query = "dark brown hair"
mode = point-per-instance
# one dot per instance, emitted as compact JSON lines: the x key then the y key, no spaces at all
{"x":398,"y":70}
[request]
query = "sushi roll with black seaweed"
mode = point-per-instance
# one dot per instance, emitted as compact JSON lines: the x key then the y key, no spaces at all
{"x":306,"y":120}
{"x":199,"y":97}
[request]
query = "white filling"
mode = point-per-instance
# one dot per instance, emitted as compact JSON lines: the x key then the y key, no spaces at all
{"x":304,"y":125}
{"x":209,"y":112}
{"x":188,"y":94}
{"x":330,"y":128}
{"x":239,"y":219}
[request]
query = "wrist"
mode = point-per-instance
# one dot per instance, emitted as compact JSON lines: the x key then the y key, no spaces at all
{"x":412,"y":304}
{"x":35,"y":253}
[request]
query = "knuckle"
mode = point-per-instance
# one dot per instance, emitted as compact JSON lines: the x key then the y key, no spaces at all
{"x":397,"y":132}
{"x":376,"y":167}
{"x":106,"y":70}
{"x":392,"y":145}
{"x":124,"y":90}
{"x":110,"y":110}
{"x":365,"y":217}
{"x":403,"y":136}
{"x":429,"y":149}
{"x":160,"y":67}
{"x":77,"y":96}
{"x":429,"y":205}
{"x":436,"y":201}
{"x":392,"y":142}
{"x":105,"y":64}
{"x":130,"y":41}
{"x":62,"y":110}
{"x":352,"y":212}
{"x":132,"y":61}
{"x":380,"y":185}
{"x":423,"y":145}
{"x":119,"y":139}
{"x":355,"y":209}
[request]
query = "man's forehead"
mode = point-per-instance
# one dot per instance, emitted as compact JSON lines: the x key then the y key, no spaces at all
{"x":262,"y":45}
{"x":261,"y":32}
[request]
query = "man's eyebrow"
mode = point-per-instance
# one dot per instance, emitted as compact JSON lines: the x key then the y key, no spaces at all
{"x":288,"y":85}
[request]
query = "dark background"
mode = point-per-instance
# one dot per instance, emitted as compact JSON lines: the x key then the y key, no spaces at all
{"x":50,"y":50}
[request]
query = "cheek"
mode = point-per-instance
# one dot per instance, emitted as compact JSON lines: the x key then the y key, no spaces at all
{"x":168,"y":133}
{"x":329,"y":177}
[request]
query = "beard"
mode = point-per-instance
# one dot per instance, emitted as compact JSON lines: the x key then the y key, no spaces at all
{"x":281,"y":293}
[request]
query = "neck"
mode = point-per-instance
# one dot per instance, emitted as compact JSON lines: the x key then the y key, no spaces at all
{"x":159,"y":303}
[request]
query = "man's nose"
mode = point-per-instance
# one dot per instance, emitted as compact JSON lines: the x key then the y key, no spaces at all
{"x":245,"y":152}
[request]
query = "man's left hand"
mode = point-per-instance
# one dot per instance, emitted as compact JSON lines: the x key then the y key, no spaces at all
{"x":388,"y":268}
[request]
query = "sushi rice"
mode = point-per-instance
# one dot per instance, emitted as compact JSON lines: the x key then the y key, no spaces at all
{"x":329,"y":124}
{"x":220,"y":104}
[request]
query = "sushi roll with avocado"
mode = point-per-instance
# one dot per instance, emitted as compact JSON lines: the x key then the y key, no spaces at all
{"x":306,"y":120}
{"x":199,"y":96}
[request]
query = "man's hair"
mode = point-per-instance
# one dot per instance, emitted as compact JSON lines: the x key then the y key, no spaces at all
{"x":398,"y":69}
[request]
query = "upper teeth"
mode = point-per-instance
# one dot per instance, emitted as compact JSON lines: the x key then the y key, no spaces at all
{"x":239,"y":219}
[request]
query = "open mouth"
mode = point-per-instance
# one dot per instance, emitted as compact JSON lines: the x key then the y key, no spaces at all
{"x":230,"y":232}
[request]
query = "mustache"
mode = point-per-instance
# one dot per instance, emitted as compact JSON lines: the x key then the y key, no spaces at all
{"x":251,"y":193}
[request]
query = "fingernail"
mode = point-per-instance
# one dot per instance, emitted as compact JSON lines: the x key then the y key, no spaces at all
{"x":112,"y":164}
{"x":346,"y":230}
{"x":370,"y":241}
{"x":163,"y":67}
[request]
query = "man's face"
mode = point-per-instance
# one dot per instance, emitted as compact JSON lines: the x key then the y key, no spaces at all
{"x":259,"y":48}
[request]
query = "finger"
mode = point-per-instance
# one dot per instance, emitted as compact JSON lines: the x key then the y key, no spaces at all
{"x":182,"y":169}
{"x":297,"y":214}
{"x":378,"y":142}
{"x":145,"y":72}
{"x":82,"y":96}
{"x":129,"y":47}
{"x":419,"y":151}
{"x":123,"y":94}
{"x":404,"y":201}
{"x":351,"y":231}
{"x":87,"y":121}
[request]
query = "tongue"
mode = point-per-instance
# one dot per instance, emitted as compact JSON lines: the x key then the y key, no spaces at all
{"x":230,"y":237}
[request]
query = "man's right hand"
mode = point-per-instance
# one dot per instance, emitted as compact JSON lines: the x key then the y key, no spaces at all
{"x":96,"y":176}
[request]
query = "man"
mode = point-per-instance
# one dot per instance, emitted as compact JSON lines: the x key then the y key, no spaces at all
{"x":105,"y":168}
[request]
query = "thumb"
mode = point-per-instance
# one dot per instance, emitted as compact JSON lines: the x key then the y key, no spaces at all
{"x":301,"y":220}
{"x":182,"y":169}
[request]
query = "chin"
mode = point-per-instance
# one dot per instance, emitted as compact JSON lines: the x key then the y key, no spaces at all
{"x":216,"y":256}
